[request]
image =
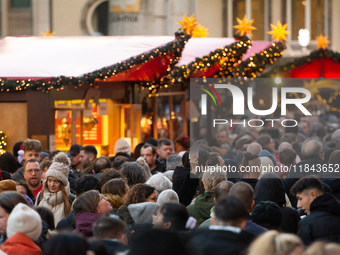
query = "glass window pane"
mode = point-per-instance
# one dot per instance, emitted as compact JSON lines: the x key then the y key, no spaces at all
{"x":318,"y":14}
{"x":298,"y":17}
{"x":20,"y":3}
{"x":239,"y":10}
{"x":257,"y":13}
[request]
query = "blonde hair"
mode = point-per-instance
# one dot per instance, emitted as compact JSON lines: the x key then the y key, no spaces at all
{"x":322,"y":248}
{"x":210,"y":179}
{"x":274,"y":243}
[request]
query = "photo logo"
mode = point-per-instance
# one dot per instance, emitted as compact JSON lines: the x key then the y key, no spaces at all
{"x":238,"y":99}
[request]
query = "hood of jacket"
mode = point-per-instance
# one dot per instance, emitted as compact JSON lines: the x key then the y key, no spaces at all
{"x":204,"y":203}
{"x":84,"y":222}
{"x":20,"y":244}
{"x":270,"y":188}
{"x":142,"y":212}
{"x":326,"y":203}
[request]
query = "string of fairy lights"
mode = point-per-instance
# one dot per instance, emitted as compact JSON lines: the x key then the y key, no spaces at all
{"x":45,"y":85}
{"x":3,"y":142}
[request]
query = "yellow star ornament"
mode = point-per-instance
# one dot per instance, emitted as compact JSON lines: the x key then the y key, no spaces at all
{"x":322,"y":42}
{"x":200,"y":31}
{"x":188,"y":24}
{"x":244,"y":26}
{"x":279,"y":32}
{"x":47,"y":33}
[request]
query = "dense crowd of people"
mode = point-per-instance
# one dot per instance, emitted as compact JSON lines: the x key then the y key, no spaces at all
{"x":271,"y":190}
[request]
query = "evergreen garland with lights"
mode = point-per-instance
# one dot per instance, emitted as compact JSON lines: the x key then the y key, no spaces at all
{"x":3,"y":142}
{"x":88,"y":79}
{"x":258,"y":62}
{"x":297,"y":62}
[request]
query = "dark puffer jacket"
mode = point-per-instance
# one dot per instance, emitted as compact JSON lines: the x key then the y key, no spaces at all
{"x":271,"y":188}
{"x":323,"y":223}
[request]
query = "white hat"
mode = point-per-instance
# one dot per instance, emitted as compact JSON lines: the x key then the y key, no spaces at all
{"x":59,"y":171}
{"x":122,"y":146}
{"x":25,"y":220}
{"x":167,"y":196}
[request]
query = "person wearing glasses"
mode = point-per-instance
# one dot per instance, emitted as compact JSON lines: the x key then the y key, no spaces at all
{"x":55,"y":194}
{"x":32,"y":174}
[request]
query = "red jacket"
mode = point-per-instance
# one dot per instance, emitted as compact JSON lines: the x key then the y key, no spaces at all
{"x":20,"y":244}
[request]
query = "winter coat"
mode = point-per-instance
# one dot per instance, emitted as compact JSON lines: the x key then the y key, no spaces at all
{"x":67,"y":223}
{"x":271,"y":188}
{"x":219,"y":240}
{"x":323,"y":222}
{"x":178,"y":177}
{"x":140,"y":213}
{"x":200,"y":209}
{"x":20,"y":244}
{"x":160,"y":167}
{"x":85,"y":221}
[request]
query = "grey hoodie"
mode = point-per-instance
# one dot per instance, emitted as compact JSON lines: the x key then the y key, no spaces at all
{"x":142,"y":212}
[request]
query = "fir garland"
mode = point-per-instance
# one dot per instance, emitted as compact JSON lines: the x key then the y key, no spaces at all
{"x":59,"y":82}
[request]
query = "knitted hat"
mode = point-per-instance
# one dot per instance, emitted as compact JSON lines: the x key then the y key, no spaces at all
{"x":25,"y":220}
{"x":7,"y":185}
{"x":123,"y":146}
{"x":267,"y":212}
{"x":59,"y":168}
{"x":167,"y":196}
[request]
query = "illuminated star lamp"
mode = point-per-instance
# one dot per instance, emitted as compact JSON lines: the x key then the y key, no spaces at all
{"x":244,"y":26}
{"x":188,"y":24}
{"x":192,"y":27}
{"x":47,"y":33}
{"x":322,"y":42}
{"x":279,"y":32}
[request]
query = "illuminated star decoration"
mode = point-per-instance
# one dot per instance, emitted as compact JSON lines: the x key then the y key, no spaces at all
{"x":47,"y":33}
{"x":244,"y":26}
{"x":279,"y":32}
{"x":189,"y":24}
{"x":200,"y":31}
{"x":321,"y":42}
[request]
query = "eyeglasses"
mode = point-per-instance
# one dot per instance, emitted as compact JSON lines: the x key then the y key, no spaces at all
{"x":103,"y":198}
{"x":31,"y":171}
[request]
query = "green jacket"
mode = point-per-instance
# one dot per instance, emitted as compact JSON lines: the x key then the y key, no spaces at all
{"x":200,"y":209}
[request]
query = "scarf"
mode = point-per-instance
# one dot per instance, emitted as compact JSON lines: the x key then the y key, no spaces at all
{"x":86,"y":170}
{"x":55,"y":202}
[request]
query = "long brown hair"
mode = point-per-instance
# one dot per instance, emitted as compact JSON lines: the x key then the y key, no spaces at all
{"x":67,"y":207}
{"x":87,"y":202}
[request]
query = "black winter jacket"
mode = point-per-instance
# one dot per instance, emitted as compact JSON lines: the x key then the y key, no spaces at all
{"x":271,"y":188}
{"x":323,"y":223}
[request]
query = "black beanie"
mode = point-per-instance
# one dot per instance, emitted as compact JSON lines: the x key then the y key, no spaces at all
{"x":267,"y":213}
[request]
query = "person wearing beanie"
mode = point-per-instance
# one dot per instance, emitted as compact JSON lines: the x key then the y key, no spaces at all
{"x":56,"y":192}
{"x":23,"y":230}
{"x":267,"y":214}
{"x":122,"y":148}
{"x":167,"y":196}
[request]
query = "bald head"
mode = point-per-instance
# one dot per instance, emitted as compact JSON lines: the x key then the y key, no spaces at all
{"x":285,"y":145}
{"x":244,"y":192}
{"x":255,"y":148}
{"x":222,"y":189}
{"x":312,"y":149}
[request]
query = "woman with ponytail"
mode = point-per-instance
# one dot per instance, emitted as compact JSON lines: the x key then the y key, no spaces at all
{"x":56,"y":191}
